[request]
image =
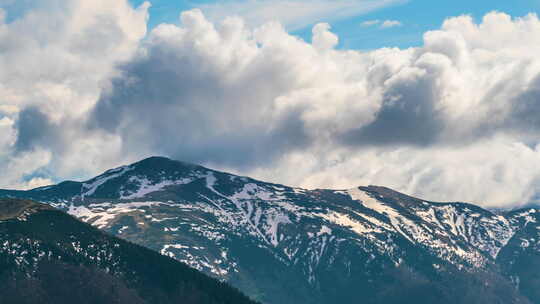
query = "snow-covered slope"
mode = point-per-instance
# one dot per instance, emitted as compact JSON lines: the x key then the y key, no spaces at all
{"x":265,"y":238}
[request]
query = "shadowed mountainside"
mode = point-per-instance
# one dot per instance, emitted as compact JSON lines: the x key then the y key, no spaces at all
{"x":47,"y":256}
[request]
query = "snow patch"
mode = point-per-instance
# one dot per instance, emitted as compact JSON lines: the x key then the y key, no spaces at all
{"x":101,"y":215}
{"x":324,"y":230}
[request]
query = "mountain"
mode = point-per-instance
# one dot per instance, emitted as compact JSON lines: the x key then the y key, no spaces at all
{"x":520,"y":258}
{"x":47,"y":256}
{"x":280,"y":244}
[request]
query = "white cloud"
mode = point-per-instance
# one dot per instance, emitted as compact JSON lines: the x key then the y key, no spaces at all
{"x":62,"y":54}
{"x":293,"y":14}
{"x":454,"y":119}
{"x":369,"y":23}
{"x":323,"y":39}
{"x":390,"y":23}
{"x":56,"y":58}
{"x":381,"y":24}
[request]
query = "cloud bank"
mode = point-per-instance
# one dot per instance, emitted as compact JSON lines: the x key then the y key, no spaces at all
{"x":454,"y":119}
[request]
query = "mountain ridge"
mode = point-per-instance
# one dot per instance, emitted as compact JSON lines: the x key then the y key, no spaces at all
{"x":264,"y":238}
{"x":160,"y":160}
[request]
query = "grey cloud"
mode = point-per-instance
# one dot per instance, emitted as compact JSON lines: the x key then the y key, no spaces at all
{"x":34,"y":129}
{"x":525,"y":112}
{"x":407,"y":117}
{"x":168,"y":103}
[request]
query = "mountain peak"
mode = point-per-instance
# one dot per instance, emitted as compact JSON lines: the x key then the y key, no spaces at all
{"x":156,"y":158}
{"x":139,"y":178}
{"x":391,"y":196}
{"x":163,"y":163}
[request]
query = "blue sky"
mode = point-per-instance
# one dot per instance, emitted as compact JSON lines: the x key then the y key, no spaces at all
{"x":415,"y":16}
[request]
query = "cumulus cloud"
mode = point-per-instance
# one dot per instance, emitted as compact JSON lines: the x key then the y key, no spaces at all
{"x":454,"y":119}
{"x":55,"y":60}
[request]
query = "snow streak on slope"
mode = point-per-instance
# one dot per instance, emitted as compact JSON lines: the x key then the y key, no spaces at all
{"x":486,"y":231}
{"x":146,"y":186}
{"x":91,"y":186}
{"x":417,"y":232}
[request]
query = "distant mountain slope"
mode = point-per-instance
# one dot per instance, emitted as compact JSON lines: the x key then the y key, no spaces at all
{"x":47,"y":256}
{"x":280,"y":244}
{"x":520,"y":258}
